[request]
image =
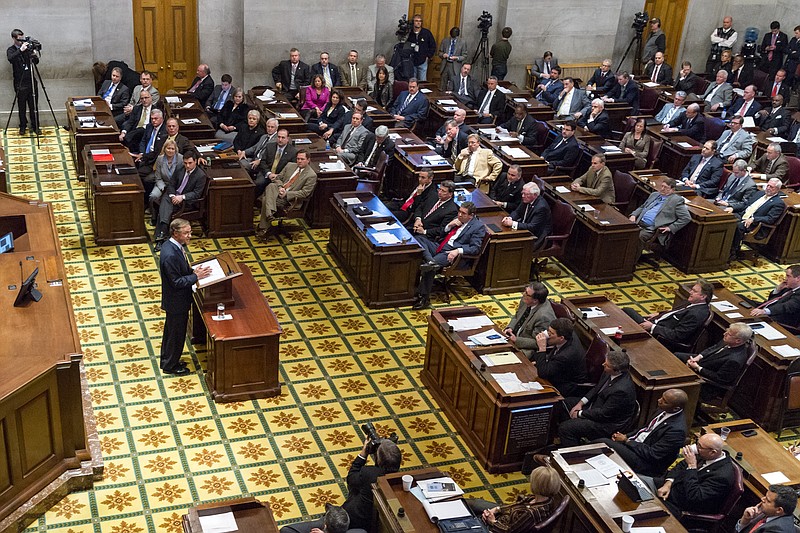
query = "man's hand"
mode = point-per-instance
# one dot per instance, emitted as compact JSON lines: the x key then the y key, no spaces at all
{"x":693,"y":365}
{"x":574,"y":186}
{"x":122,"y":136}
{"x":664,"y":229}
{"x":254,"y":164}
{"x":488,"y":515}
{"x":240,"y":154}
{"x":271,"y":176}
{"x":23,"y":47}
{"x":327,"y":134}
{"x":646,"y":325}
{"x":541,"y":341}
{"x":715,"y":107}
{"x":689,"y":457}
{"x":282,"y":192}
{"x":619,"y":437}
{"x":632,"y":218}
{"x":399,"y":118}
{"x":748,"y":222}
{"x":507,"y":222}
{"x":202,"y":271}
{"x":723,"y":203}
{"x":177,"y":199}
{"x":750,"y":513}
{"x":339,"y":150}
{"x":127,"y":109}
{"x":663,"y":492}
{"x":452,"y":255}
{"x":758,"y":312}
{"x":577,"y":114}
{"x":365,"y":449}
{"x":573,"y":413}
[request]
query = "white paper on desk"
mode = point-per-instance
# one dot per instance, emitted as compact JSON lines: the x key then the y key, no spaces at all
{"x":450,"y":108}
{"x":777,"y":140}
{"x":592,"y":312}
{"x":190,"y":120}
{"x":264,"y":98}
{"x":611,"y":148}
{"x":434,"y":493}
{"x":445,"y":510}
{"x":609,"y":331}
{"x":503,"y":89}
{"x":592,"y":478}
{"x":650,"y":84}
{"x":734,"y":315}
{"x":514,"y":152}
{"x":562,"y":189}
{"x":101,"y":151}
{"x":511,"y":384}
{"x":218,"y":178}
{"x":288,"y":115}
{"x":521,"y":100}
{"x":384,"y":237}
{"x":685,"y":145}
{"x":447,"y":102}
{"x":488,"y":338}
{"x":351,"y":201}
{"x":384,"y":226}
{"x":487,"y":131}
{"x":331,"y":167}
{"x":586,"y":207}
{"x":654,"y":529}
{"x":786,"y":350}
{"x":775,"y":478}
{"x":371,"y":108}
{"x":748,"y":122}
{"x":502,"y":358}
{"x":470,"y":322}
{"x":767,"y":331}
{"x":425,"y":91}
{"x":205,"y":148}
{"x":216,"y":272}
{"x":740,"y":92}
{"x":173,"y":99}
{"x":394,"y":136}
{"x":723,"y":305}
{"x":218,"y":523}
{"x":85,"y":102}
{"x":187,"y":105}
{"x":107,"y":183}
{"x":604,"y":465}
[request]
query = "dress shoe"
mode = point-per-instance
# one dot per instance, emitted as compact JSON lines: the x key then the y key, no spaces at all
{"x":423,"y":303}
{"x":157,"y":247}
{"x":428,"y":266}
{"x":178,"y":371}
{"x":23,"y":131}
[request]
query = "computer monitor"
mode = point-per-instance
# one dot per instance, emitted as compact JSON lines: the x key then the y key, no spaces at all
{"x":28,"y":290}
{"x":7,"y":243}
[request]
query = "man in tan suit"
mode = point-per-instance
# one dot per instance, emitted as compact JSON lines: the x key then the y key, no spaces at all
{"x":597,"y":181}
{"x":477,"y":164}
{"x":350,"y":68}
{"x":295,"y":183}
{"x":533,"y":316}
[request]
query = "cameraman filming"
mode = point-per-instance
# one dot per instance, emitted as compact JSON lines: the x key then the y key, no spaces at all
{"x":361,"y":477}
{"x":20,"y":54}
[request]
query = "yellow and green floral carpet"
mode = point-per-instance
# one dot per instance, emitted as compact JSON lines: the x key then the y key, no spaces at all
{"x":167,"y":446}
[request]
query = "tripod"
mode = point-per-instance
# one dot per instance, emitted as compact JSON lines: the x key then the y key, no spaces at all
{"x":637,"y":56}
{"x":483,"y":66}
{"x":35,"y":75}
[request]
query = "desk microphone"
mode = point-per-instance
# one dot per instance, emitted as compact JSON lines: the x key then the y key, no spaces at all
{"x":21,"y":274}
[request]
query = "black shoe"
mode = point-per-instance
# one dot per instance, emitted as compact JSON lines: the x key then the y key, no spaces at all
{"x":428,"y":266}
{"x":157,"y":247}
{"x":423,"y":303}
{"x":23,"y":131}
{"x":178,"y":371}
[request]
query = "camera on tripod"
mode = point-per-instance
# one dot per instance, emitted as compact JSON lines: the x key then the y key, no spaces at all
{"x":375,"y":440}
{"x":33,"y":44}
{"x":640,"y":20}
{"x":485,"y":22}
{"x":402,"y":26}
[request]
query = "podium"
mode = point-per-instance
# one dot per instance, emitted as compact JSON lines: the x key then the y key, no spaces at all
{"x":217,"y":288}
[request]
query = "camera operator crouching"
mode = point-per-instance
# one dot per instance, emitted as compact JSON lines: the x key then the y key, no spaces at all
{"x":20,"y":55}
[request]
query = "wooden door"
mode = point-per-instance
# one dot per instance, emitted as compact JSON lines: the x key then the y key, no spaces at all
{"x":438,"y":16}
{"x":165,"y":37}
{"x":672,"y":14}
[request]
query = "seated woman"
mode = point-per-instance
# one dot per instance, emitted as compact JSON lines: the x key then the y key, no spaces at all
{"x":167,"y":162}
{"x":248,"y":133}
{"x":233,"y":113}
{"x":529,"y":510}
{"x":332,"y":112}
{"x":317,"y":97}
{"x":637,"y":143}
{"x":382,"y":93}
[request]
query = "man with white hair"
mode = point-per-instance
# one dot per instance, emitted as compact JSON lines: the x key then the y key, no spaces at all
{"x":720,"y":93}
{"x":691,"y":123}
{"x":597,"y":120}
{"x":533,"y":214}
{"x":672,"y":109}
{"x":772,"y":164}
{"x":765,"y":207}
{"x":737,"y":191}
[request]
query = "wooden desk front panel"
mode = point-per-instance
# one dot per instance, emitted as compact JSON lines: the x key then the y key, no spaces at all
{"x":673,"y":159}
{"x":230,"y":207}
{"x":784,"y":245}
{"x":119,"y":217}
{"x":703,"y":245}
{"x":602,"y":256}
{"x":3,"y":182}
{"x":319,"y":212}
{"x":506,"y":264}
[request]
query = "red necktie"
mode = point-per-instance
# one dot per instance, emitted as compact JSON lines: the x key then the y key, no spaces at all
{"x":195,"y":86}
{"x":771,"y":301}
{"x":446,"y":239}
{"x":434,"y":208}
{"x":410,"y":201}
{"x":758,"y":525}
{"x":774,"y":89}
{"x":743,"y":110}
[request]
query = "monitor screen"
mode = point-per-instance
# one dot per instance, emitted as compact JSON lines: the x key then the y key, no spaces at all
{"x":7,"y":243}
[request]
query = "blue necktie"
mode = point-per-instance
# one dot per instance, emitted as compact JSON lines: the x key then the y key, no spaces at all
{"x":151,"y":142}
{"x":221,"y":101}
{"x":109,"y":91}
{"x":452,"y":47}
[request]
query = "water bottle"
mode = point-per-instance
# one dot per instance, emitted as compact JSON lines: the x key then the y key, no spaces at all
{"x":327,"y":145}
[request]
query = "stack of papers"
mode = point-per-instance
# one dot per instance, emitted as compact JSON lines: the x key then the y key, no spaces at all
{"x":441,"y":510}
{"x":469,"y":322}
{"x":218,"y":523}
{"x":650,"y":84}
{"x":562,"y":189}
{"x":266,"y":99}
{"x":488,"y":132}
{"x":190,"y":120}
{"x":173,"y":99}
{"x":487,"y":338}
{"x":425,"y":91}
{"x":187,"y":105}
{"x":288,"y":115}
{"x":86,"y":102}
{"x":434,"y":160}
{"x":610,"y":148}
{"x":384,"y":237}
{"x":502,"y":358}
{"x":586,"y":208}
{"x":592,"y":312}
{"x":767,"y":331}
{"x":777,"y":140}
{"x":685,"y":145}
{"x":513,"y":151}
{"x":521,"y":100}
{"x":723,"y":306}
{"x":503,"y":89}
{"x":384,"y":226}
{"x":439,"y":488}
{"x":510,"y":383}
{"x":447,"y":102}
{"x":349,"y":201}
{"x":786,"y":350}
{"x":332,"y":167}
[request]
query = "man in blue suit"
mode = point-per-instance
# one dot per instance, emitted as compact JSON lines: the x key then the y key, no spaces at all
{"x":704,"y":171}
{"x":625,"y":90}
{"x":177,"y":279}
{"x":410,"y":106}
{"x":550,"y":89}
{"x":463,"y":236}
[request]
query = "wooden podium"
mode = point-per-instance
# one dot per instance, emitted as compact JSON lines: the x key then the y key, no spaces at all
{"x":243,"y":349}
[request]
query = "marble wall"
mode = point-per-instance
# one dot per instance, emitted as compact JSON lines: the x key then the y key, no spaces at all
{"x":245,"y":39}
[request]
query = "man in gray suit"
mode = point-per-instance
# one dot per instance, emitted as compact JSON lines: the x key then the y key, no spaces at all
{"x":670,"y":110}
{"x":294,"y":184}
{"x":735,"y":142}
{"x":533,"y":316}
{"x":720,"y":93}
{"x":352,"y":140}
{"x":453,"y":52}
{"x":736,"y":193}
{"x":571,"y":103}
{"x":663,"y":214}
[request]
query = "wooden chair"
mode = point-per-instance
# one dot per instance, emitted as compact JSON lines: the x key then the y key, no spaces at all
{"x":371,"y":179}
{"x":648,"y":99}
{"x":726,"y":174}
{"x":595,"y":357}
{"x":754,"y":241}
{"x":791,"y":393}
{"x":700,"y":85}
{"x":549,"y":525}
{"x":463,"y":267}
{"x":554,"y":244}
{"x":624,"y":187}
{"x":720,"y":405}
{"x":281,"y":229}
{"x":562,"y":311}
{"x":713,"y":522}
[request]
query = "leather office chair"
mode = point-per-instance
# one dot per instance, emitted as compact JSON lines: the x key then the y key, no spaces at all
{"x":549,"y":525}
{"x":460,"y":269}
{"x":726,"y":174}
{"x":624,"y":187}
{"x":562,"y":311}
{"x":700,"y":85}
{"x":791,"y":393}
{"x":754,"y":241}
{"x":287,"y":213}
{"x":594,"y":359}
{"x":689,"y":344}
{"x":720,"y":405}
{"x":714,"y":127}
{"x":371,"y":179}
{"x":655,"y":153}
{"x":793,"y":175}
{"x":555,"y":243}
{"x":713,"y":522}
{"x":648,"y":99}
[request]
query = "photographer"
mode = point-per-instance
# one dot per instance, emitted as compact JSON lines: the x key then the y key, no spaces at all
{"x":361,"y":477}
{"x":424,"y":45}
{"x":20,"y":55}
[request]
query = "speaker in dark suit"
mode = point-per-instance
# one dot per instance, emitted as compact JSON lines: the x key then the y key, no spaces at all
{"x":430,"y":218}
{"x":115,"y":93}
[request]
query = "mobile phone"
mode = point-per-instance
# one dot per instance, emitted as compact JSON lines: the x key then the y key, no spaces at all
{"x":749,"y":432}
{"x":756,"y":326}
{"x":746,"y":305}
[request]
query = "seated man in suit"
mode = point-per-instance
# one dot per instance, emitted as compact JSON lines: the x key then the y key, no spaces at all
{"x":329,"y":71}
{"x":477,"y":165}
{"x":294,"y":184}
{"x":372,"y":72}
{"x":681,"y":323}
{"x":736,"y":142}
{"x":603,"y":80}
{"x":351,"y":142}
{"x":626,"y":90}
{"x":533,"y":214}
{"x":462,"y":236}
{"x":334,"y":131}
{"x":560,"y":357}
{"x":686,"y":79}
{"x":696,"y":486}
{"x":221,"y":94}
{"x":114,"y":92}
{"x":772,"y":164}
{"x":430,"y":217}
{"x":746,"y":105}
{"x":352,"y":73}
{"x":250,"y":158}
{"x":719,"y":93}
{"x":374,"y":145}
{"x":186,"y":186}
{"x":133,"y":128}
{"x":597,"y":181}
{"x":490,"y":102}
{"x":779,"y":86}
{"x":403,"y":208}
{"x":522,"y":125}
{"x":741,"y":73}
{"x":534,"y":315}
{"x":335,"y":520}
{"x":597,"y":120}
{"x":764,"y":207}
{"x":776,"y":119}
{"x":541,"y":68}
{"x":662,"y":215}
{"x":465,"y":90}
{"x":659,"y":71}
{"x":606,"y":408}
{"x":773,"y":514}
{"x":452,"y":141}
{"x":506,"y":190}
{"x":783,"y":303}
{"x":153,"y":139}
{"x":571,"y":103}
{"x":721,"y":363}
{"x":183,"y":144}
{"x":671,"y":110}
{"x":652,"y":449}
{"x":290,"y":75}
{"x":410,"y":106}
{"x":691,"y":123}
{"x":736,"y":193}
{"x":459,"y":116}
{"x":145,"y":84}
{"x":548,"y":90}
{"x":276,"y":156}
{"x":703,"y":171}
{"x":564,"y":151}
{"x":202,"y":85}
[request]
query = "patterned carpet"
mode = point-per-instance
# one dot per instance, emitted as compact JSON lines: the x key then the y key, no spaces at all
{"x":167,"y":446}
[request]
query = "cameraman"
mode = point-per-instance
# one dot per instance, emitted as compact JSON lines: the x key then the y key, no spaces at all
{"x":20,"y":54}
{"x":361,"y":477}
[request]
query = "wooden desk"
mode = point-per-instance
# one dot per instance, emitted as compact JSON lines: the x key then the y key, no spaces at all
{"x":538,"y":110}
{"x":383,"y":275}
{"x":251,"y":515}
{"x":674,"y":157}
{"x":600,"y":509}
{"x":499,"y":428}
{"x":439,"y":113}
{"x":299,"y":140}
{"x":379,"y":115}
{"x":115,"y":201}
{"x":531,"y":165}
{"x":202,"y":130}
{"x":279,"y":107}
{"x":617,"y":113}
{"x":409,"y":153}
{"x":319,"y":213}
{"x":581,"y":133}
{"x":80,"y":136}
{"x":243,"y":352}
{"x":231,"y":194}
{"x":388,"y":497}
{"x":45,"y":408}
{"x":760,"y":392}
{"x":653,"y":369}
{"x":615,"y":160}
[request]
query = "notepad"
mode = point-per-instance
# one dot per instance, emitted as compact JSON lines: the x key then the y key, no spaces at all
{"x":502,"y":358}
{"x":562,"y":189}
{"x":723,"y":305}
{"x":786,"y":350}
